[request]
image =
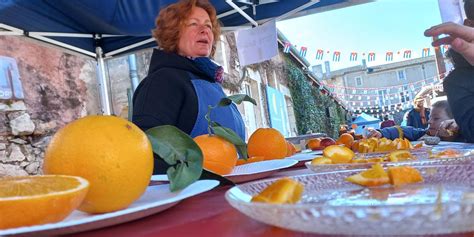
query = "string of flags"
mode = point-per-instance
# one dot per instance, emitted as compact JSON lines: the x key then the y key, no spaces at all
{"x":336,"y":55}
{"x":375,"y":90}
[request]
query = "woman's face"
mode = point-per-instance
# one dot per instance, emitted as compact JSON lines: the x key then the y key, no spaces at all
{"x":196,"y":38}
{"x":437,"y":116}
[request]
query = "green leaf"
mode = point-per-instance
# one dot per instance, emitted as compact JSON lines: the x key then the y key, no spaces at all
{"x":242,"y":151}
{"x":237,"y":98}
{"x":232,"y":137}
{"x":180,"y":151}
{"x":228,"y":134}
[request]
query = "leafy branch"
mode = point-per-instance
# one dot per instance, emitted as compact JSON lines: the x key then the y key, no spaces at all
{"x":226,"y":133}
{"x":182,"y":153}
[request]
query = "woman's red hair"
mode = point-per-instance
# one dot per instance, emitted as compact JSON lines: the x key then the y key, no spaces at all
{"x":171,"y":20}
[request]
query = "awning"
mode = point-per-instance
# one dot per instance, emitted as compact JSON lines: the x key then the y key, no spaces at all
{"x":104,"y":28}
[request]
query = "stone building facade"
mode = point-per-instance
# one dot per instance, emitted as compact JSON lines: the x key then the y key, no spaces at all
{"x":58,"y":87}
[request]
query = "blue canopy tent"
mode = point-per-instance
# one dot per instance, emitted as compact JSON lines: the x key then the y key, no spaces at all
{"x":365,"y":121}
{"x":106,"y":28}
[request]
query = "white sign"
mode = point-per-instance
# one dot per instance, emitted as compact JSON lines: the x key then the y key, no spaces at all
{"x":451,"y":10}
{"x":257,"y":44}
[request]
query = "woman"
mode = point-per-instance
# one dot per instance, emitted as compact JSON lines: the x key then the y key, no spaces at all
{"x":419,"y":115}
{"x":182,"y":80}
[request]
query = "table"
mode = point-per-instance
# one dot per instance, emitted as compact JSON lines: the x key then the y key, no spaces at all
{"x":209,"y":214}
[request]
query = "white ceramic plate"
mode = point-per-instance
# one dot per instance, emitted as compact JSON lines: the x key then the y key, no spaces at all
{"x":442,"y":204}
{"x":305,"y":156}
{"x":258,"y":170}
{"x":159,"y":177}
{"x":251,"y":171}
{"x":155,"y":199}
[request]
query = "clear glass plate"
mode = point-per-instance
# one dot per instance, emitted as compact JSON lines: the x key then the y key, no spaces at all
{"x":422,"y":159}
{"x":442,"y":204}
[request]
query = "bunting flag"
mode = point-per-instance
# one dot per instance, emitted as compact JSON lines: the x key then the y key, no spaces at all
{"x":371,"y":57}
{"x":353,"y":56}
{"x":319,"y":54}
{"x":303,"y":51}
{"x":389,"y":56}
{"x":425,"y":52}
{"x":407,"y":54}
{"x":336,"y":57}
{"x":287,"y":47}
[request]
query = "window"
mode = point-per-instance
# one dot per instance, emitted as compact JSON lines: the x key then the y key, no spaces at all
{"x":382,"y":94}
{"x":10,"y":82}
{"x":247,"y":90}
{"x":358,"y":81}
{"x":401,"y":75}
{"x":404,"y":95}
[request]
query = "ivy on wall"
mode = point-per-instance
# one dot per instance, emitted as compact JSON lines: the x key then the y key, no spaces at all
{"x":314,"y":111}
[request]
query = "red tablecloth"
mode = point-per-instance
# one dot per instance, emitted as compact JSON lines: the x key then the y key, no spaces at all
{"x":207,"y":214}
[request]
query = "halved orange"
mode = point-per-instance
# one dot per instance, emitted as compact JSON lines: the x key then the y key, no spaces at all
{"x":400,"y":155}
{"x":250,"y":160}
{"x":35,"y":200}
{"x":282,"y":191}
{"x":374,"y":176}
{"x":402,"y":175}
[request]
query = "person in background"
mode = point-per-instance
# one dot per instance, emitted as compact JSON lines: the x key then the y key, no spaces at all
{"x":440,"y":114}
{"x":387,"y":122}
{"x":459,"y":84}
{"x":183,"y":80}
{"x":419,"y":115}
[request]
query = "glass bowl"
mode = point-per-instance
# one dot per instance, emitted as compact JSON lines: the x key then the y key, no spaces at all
{"x":442,"y":204}
{"x":422,"y":158}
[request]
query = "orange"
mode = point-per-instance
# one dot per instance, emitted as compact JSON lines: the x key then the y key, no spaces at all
{"x":346,"y":139}
{"x":36,"y":200}
{"x":374,"y":176}
{"x":314,"y":144}
{"x":282,"y":191}
{"x":338,"y":154}
{"x":400,"y":155}
{"x":267,"y":142}
{"x":250,"y":160}
{"x":220,"y":156}
{"x":113,"y":154}
{"x":291,"y":149}
{"x":402,"y":175}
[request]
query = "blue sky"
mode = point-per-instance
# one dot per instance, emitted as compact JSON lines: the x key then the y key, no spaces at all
{"x":381,"y":26}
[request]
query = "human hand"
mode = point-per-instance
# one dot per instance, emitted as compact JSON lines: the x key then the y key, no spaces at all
{"x":461,"y":38}
{"x":448,"y":128}
{"x":373,"y":133}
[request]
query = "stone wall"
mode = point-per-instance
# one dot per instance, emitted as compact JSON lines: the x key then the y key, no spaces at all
{"x":58,"y":87}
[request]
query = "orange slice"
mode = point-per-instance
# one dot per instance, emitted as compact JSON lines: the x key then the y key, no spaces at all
{"x":338,"y":154}
{"x":250,"y":160}
{"x":402,"y":175}
{"x":321,"y":160}
{"x":374,"y":176}
{"x":448,"y":153}
{"x":282,"y":191}
{"x":400,"y":155}
{"x":35,"y":200}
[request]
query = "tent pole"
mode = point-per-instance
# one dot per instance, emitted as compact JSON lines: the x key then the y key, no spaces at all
{"x":103,"y":86}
